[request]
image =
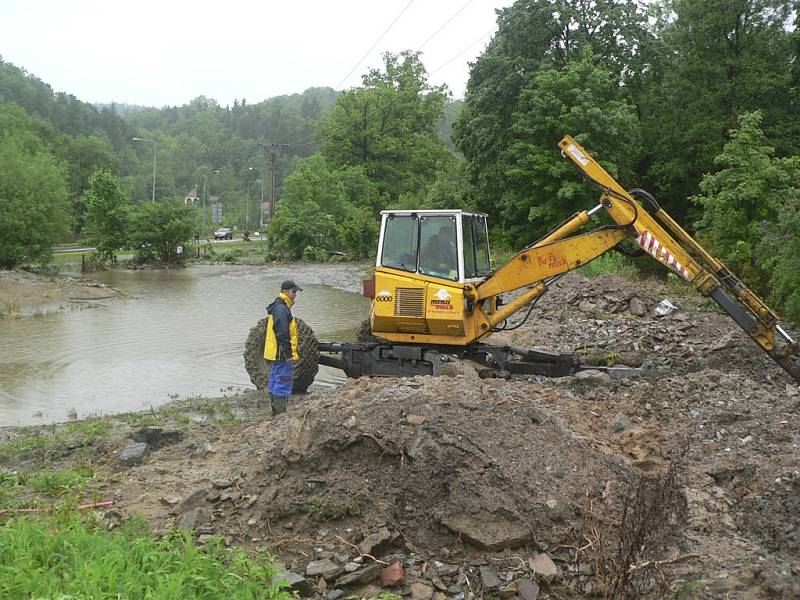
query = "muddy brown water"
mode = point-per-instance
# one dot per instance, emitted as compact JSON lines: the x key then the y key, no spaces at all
{"x":179,"y":334}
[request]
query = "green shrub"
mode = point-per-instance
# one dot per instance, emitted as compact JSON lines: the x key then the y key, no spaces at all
{"x":63,"y":556}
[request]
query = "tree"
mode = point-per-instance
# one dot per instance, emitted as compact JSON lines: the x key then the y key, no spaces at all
{"x":535,"y":188}
{"x":718,"y":60}
{"x":33,"y":192}
{"x":312,"y":204}
{"x":157,"y":229}
{"x":751,"y":190}
{"x":781,"y":247}
{"x":536,"y":45}
{"x":108,"y":214}
{"x":388,"y":127}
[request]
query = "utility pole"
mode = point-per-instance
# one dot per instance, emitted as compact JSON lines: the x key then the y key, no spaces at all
{"x":272,"y":191}
{"x":215,"y":172}
{"x":272,"y":161}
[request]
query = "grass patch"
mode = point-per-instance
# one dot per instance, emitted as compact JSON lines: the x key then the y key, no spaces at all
{"x":239,"y":252}
{"x":611,"y":263}
{"x":79,"y":434}
{"x":64,"y":556}
{"x":12,"y":310}
{"x":18,"y":490}
{"x":58,"y":483}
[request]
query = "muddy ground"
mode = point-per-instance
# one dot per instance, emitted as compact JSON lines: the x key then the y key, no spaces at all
{"x":679,"y":482}
{"x":24,"y":294}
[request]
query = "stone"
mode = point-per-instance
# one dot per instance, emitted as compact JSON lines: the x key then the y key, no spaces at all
{"x":335,"y":594}
{"x":420,"y":591}
{"x":489,"y":578}
{"x":528,"y":590}
{"x":366,"y":591}
{"x":392,"y":575}
{"x":133,"y":454}
{"x":325,"y":568}
{"x":620,"y":423}
{"x":193,"y":500}
{"x":726,"y":341}
{"x":363,"y":575}
{"x":376,"y":542}
{"x":195,"y":518}
{"x":636,"y":307}
{"x":543,"y":565}
{"x":158,"y":437}
{"x":487,"y":534}
{"x":446,"y":570}
{"x":296,"y":582}
{"x":593,"y":376}
{"x":221,"y":484}
{"x":664,"y":308}
{"x":416,"y":419}
{"x":170,"y":499}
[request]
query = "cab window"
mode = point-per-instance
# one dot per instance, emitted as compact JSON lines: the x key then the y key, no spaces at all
{"x":482,"y":263}
{"x":470,"y":270}
{"x":439,"y":256}
{"x":400,"y":243}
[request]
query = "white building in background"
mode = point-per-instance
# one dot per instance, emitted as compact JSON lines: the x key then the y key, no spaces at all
{"x":191,"y":196}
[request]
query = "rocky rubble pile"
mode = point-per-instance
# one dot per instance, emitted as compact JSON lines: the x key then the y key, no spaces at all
{"x":457,"y":487}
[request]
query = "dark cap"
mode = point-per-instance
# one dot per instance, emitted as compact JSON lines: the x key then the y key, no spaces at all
{"x":290,"y":285}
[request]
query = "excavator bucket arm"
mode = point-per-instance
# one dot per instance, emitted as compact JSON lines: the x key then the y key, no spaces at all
{"x":663,"y":239}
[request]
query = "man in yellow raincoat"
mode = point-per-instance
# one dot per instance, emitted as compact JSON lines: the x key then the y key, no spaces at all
{"x":281,"y":346}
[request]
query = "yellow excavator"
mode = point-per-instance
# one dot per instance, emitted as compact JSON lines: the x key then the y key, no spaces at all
{"x":435,"y":297}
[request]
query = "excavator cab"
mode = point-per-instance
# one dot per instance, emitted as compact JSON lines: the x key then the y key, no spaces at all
{"x":426,"y":259}
{"x":443,"y":244}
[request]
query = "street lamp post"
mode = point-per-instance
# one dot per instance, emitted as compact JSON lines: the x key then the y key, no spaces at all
{"x":136,"y":139}
{"x":247,"y":209}
{"x":203,"y":220}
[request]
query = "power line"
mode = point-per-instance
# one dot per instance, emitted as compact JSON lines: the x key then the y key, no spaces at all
{"x":446,"y":23}
{"x":360,"y":60}
{"x":392,"y":24}
{"x":480,"y":39}
{"x":433,"y":35}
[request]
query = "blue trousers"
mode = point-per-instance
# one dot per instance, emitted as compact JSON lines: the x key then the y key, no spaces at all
{"x":281,"y":378}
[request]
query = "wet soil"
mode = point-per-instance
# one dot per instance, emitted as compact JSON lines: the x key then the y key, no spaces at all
{"x":24,"y":294}
{"x":682,"y":482}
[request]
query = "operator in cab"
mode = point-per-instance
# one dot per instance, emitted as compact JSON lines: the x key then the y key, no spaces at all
{"x":281,"y":346}
{"x":438,"y":257}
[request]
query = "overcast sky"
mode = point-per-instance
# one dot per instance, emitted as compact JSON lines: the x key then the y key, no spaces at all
{"x":168,"y":52}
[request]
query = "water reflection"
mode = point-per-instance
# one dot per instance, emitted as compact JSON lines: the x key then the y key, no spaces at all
{"x":182,"y":333}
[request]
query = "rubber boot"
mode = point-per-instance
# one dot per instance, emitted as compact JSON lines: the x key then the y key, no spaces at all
{"x":279,"y":404}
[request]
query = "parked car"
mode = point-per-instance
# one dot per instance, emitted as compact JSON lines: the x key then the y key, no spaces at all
{"x":223,"y":233}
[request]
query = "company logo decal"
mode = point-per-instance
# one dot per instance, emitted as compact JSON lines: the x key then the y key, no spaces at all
{"x":384,"y":296}
{"x":441,"y":301}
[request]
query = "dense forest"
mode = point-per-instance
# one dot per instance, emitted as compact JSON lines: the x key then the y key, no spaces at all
{"x":694,"y":100}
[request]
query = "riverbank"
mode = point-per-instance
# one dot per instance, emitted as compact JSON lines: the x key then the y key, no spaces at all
{"x":26,"y":293}
{"x":23,"y":293}
{"x":680,"y":483}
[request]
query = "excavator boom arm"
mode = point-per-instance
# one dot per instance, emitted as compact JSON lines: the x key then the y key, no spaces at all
{"x":659,"y":236}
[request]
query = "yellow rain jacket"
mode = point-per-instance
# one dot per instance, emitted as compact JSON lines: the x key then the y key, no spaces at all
{"x":281,"y":343}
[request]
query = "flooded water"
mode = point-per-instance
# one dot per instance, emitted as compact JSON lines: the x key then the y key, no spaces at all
{"x":181,"y":333}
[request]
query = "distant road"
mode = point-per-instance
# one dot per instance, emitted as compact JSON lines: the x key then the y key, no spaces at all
{"x":66,"y":249}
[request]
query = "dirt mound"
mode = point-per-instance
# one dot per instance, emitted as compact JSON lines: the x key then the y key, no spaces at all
{"x":436,"y":459}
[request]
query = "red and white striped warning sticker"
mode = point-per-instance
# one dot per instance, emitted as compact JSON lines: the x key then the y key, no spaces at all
{"x":654,"y":248}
